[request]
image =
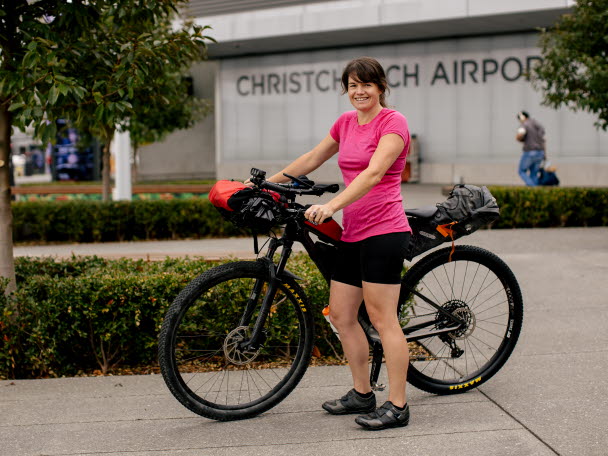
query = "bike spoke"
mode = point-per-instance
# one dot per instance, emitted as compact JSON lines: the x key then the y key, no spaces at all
{"x":471,"y":292}
{"x":213,"y":364}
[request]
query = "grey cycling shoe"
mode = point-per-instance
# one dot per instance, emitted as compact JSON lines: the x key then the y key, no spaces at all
{"x":351,"y":402}
{"x":386,"y":416}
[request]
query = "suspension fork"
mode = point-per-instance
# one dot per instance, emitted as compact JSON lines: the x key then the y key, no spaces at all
{"x":257,"y":287}
{"x":275,"y":271}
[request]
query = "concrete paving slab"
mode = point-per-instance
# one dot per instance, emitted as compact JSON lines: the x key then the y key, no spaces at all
{"x":125,"y":398}
{"x":561,"y":397}
{"x":511,"y":442}
{"x":266,"y":430}
{"x":564,"y":331}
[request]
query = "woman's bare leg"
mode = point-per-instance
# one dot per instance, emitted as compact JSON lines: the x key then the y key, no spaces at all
{"x":381,"y":305}
{"x":344,"y":303}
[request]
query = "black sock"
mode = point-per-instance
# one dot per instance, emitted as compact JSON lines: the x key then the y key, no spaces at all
{"x":400,"y":408}
{"x":366,"y":395}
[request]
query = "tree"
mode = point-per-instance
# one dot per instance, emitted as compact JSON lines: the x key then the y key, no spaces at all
{"x":172,"y":106}
{"x":83,"y":60}
{"x":574,"y":70}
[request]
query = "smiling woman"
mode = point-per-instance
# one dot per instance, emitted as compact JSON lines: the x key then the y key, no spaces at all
{"x":371,"y":142}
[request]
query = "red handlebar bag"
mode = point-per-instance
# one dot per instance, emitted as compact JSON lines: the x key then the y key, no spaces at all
{"x":224,"y":195}
{"x":246,"y":206}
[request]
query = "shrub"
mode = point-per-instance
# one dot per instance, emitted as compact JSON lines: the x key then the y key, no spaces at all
{"x":96,"y":221}
{"x":532,"y":207}
{"x":90,"y":313}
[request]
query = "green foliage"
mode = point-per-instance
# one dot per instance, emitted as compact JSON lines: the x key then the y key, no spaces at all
{"x":95,"y":63}
{"x":86,"y":313}
{"x":96,"y":221}
{"x":90,"y":313}
{"x":534,"y":207}
{"x":574,"y":71}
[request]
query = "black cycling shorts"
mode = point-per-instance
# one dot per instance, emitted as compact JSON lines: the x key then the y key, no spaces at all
{"x":377,"y":259}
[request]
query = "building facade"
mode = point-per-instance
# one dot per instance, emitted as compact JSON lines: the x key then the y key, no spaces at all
{"x":456,"y":69}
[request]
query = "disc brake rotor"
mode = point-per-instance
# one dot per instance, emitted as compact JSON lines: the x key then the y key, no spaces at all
{"x":460,"y":310}
{"x":232,"y":347}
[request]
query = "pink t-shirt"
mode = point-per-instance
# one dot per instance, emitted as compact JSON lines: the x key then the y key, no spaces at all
{"x":380,"y":211}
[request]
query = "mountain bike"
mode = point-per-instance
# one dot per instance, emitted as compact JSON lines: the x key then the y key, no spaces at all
{"x":238,"y":339}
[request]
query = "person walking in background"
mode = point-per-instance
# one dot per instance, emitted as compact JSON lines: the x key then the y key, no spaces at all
{"x":532,"y":134}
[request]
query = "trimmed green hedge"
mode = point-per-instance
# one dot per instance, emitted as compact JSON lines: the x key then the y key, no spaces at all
{"x":94,"y":221}
{"x":89,"y":313}
{"x":535,"y":207}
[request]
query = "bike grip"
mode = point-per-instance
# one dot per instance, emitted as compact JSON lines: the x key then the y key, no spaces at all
{"x":306,"y":206}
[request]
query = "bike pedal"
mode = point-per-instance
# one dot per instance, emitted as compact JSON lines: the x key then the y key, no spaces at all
{"x":378,"y":387}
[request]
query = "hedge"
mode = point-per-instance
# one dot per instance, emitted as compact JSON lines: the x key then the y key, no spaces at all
{"x":88,"y":313}
{"x":535,"y":207}
{"x":94,"y":221}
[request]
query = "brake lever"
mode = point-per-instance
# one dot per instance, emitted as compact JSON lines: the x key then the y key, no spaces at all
{"x":304,"y":183}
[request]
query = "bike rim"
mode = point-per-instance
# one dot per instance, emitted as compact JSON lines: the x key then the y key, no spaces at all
{"x":477,"y":294}
{"x":212,"y":368}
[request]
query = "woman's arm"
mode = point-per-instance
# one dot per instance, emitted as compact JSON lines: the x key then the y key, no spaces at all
{"x":388,"y":150}
{"x":310,"y":161}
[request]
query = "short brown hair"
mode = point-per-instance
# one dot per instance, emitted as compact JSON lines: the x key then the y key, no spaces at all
{"x":366,"y":69}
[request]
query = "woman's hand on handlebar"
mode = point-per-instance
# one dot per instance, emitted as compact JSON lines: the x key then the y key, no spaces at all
{"x":318,"y":213}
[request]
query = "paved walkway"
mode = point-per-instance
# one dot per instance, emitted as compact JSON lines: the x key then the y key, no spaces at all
{"x":550,"y":398}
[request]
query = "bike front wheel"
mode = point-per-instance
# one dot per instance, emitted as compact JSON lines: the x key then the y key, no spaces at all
{"x":481,"y":290}
{"x":202,"y":359}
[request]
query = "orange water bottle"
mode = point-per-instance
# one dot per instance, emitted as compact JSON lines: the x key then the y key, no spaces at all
{"x":326,"y":315}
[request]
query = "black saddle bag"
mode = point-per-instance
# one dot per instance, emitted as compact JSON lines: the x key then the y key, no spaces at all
{"x":466,"y":209}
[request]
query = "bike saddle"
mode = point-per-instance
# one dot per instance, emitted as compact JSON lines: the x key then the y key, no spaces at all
{"x":422,"y":212}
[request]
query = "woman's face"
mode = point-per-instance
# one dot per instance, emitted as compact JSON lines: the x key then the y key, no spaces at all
{"x":363,"y":95}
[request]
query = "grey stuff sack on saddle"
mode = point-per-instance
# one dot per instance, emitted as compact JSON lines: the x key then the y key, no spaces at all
{"x":466,"y":209}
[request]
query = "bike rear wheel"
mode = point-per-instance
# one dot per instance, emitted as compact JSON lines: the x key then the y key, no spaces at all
{"x":201,"y":359}
{"x":481,"y":290}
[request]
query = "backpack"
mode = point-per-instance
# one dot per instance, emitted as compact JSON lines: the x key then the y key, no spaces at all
{"x":466,"y":209}
{"x":246,"y":207}
{"x":547,"y":177}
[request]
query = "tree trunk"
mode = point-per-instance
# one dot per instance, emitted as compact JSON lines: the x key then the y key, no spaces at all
{"x":7,"y":264}
{"x":105,"y":166}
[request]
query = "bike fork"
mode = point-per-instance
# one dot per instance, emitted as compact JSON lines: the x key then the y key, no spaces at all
{"x":275,"y":271}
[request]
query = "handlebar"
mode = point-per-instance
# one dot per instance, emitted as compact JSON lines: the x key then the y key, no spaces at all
{"x":299,"y":186}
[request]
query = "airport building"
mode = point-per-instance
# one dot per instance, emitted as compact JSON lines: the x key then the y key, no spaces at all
{"x":456,"y":69}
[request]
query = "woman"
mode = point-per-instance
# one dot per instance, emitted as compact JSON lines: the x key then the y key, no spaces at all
{"x":372,"y":143}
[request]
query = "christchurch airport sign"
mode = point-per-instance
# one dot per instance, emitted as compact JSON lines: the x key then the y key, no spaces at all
{"x":455,"y":72}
